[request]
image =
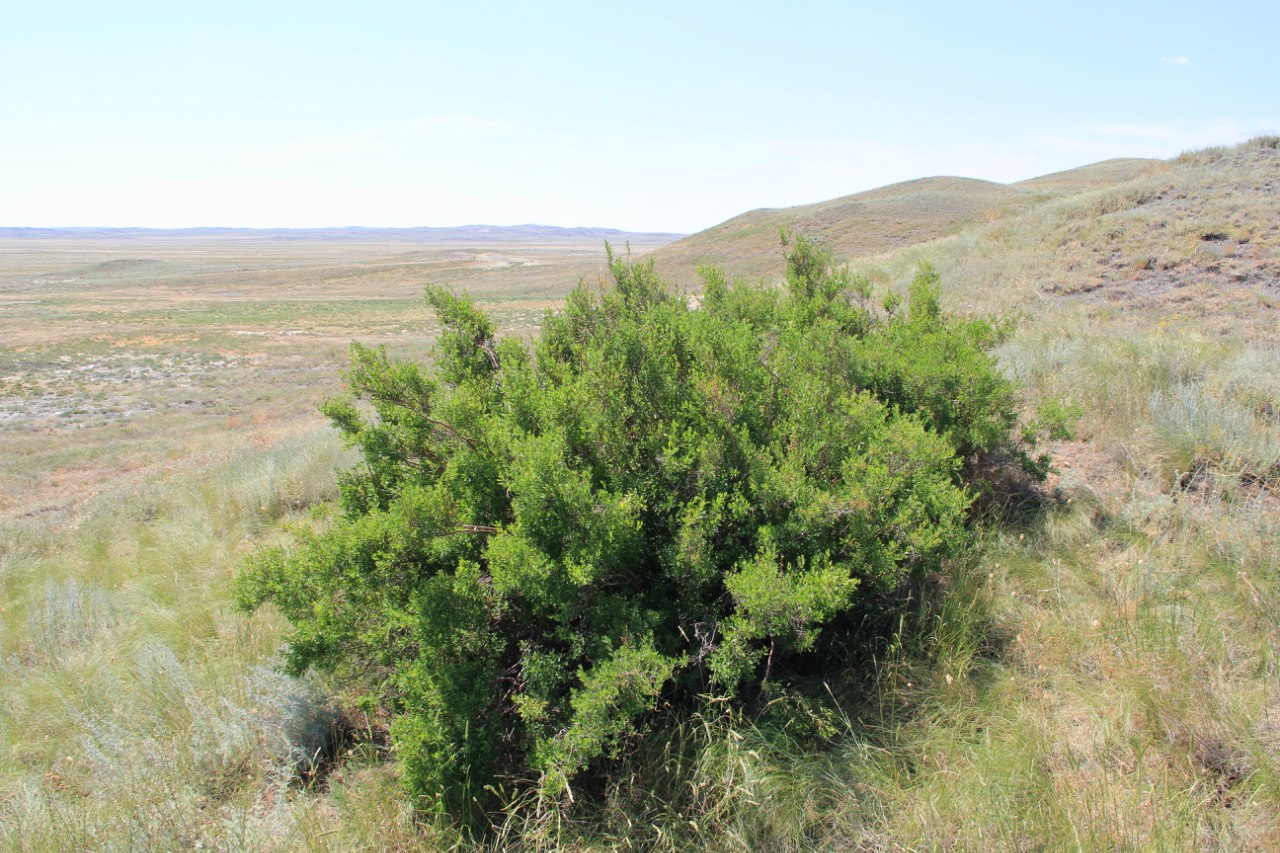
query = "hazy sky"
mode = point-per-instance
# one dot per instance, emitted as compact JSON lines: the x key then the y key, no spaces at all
{"x":643,"y":115}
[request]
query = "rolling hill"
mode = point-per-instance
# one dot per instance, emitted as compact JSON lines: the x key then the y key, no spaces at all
{"x":1196,"y":239}
{"x":878,"y":220}
{"x":1104,"y":676}
{"x":1093,"y":176}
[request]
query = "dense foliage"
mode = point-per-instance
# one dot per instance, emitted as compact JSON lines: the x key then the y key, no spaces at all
{"x":662,"y":498}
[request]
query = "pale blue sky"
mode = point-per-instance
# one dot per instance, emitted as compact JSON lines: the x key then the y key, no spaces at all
{"x":658,"y":116}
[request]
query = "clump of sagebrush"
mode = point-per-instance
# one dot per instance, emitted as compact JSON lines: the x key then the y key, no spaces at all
{"x":653,"y":503}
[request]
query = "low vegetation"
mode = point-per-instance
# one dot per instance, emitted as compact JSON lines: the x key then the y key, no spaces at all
{"x":126,"y":356}
{"x":141,"y":711}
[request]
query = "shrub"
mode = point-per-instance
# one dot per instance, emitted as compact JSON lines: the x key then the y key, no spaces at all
{"x":543,"y":545}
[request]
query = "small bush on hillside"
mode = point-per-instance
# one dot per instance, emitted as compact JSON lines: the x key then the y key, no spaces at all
{"x":656,"y":501}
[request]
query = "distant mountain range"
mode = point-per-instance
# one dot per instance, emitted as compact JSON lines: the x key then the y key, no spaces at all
{"x":450,"y":234}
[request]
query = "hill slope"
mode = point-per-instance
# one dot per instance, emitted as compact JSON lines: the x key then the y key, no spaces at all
{"x":1196,"y":238}
{"x":1094,"y":176}
{"x":878,"y":220}
{"x":1103,"y":675}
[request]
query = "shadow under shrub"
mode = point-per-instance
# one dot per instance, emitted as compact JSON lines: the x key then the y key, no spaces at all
{"x":543,"y":546}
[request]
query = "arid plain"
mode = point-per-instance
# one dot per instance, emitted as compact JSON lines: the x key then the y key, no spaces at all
{"x":134,"y":355}
{"x":1098,"y":674}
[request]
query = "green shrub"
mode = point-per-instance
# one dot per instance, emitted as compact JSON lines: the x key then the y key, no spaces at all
{"x":656,"y":501}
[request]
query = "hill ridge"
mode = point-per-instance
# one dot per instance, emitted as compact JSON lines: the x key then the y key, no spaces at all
{"x":880,"y":219}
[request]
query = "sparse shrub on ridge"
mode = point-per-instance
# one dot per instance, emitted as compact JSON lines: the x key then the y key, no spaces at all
{"x":654,"y":502}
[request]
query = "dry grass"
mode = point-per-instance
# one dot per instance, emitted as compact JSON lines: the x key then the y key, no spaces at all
{"x":903,"y":214}
{"x":140,"y":710}
{"x":912,"y":213}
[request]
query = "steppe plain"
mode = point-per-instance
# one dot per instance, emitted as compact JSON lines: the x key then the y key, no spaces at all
{"x":126,"y":354}
{"x":1101,"y":674}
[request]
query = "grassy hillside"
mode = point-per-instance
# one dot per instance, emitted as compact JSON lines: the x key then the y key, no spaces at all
{"x":1195,"y":243}
{"x":1128,"y":695}
{"x":876,"y":221}
{"x":1094,"y":176}
{"x":1100,"y":674}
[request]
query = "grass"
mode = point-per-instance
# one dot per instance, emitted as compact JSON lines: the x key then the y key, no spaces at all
{"x":134,"y":693}
{"x":1098,"y":674}
{"x":908,"y":213}
{"x":887,"y":219}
